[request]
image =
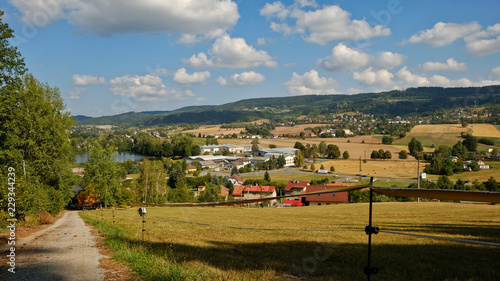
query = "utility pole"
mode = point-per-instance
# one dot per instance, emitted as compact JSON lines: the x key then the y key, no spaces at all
{"x":418,"y":172}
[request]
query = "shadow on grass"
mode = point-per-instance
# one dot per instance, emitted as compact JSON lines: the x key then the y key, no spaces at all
{"x":485,"y":233}
{"x":329,"y":261}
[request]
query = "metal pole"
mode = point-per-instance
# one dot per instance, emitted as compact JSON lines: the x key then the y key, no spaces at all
{"x":369,"y":270}
{"x":418,"y":173}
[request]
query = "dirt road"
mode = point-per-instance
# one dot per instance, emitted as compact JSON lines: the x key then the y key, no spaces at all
{"x":64,"y":251}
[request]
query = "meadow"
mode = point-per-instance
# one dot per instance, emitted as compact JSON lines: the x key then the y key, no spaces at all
{"x":177,"y":249}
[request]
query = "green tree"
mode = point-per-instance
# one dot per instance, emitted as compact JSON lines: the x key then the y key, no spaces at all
{"x":322,"y":148}
{"x":177,"y":177}
{"x":471,"y":143}
{"x":345,"y":155}
{"x":34,"y":140}
{"x":298,"y":160}
{"x":101,"y":172}
{"x":387,"y":140}
{"x":267,"y":177}
{"x":415,"y":146}
{"x":332,"y":151}
{"x":12,"y":65}
{"x":234,"y":171}
{"x":491,"y":185}
{"x":403,"y":154}
{"x":210,"y":194}
{"x":313,"y":168}
{"x":153,"y":182}
{"x":444,"y":182}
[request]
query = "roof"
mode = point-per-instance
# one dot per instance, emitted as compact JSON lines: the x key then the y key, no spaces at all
{"x":237,"y":178}
{"x":224,"y":191}
{"x":326,"y":197}
{"x":237,"y":191}
{"x":237,"y":163}
{"x":259,"y":189}
{"x":296,"y":184}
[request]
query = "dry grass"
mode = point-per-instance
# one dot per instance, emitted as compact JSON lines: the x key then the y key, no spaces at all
{"x":213,"y":130}
{"x":340,"y":254}
{"x":375,"y":168}
{"x":478,"y":130}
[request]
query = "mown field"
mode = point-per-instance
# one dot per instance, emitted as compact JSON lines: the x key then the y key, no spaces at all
{"x":176,"y":250}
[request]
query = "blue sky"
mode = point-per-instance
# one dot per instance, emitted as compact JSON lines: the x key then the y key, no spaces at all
{"x":114,"y":56}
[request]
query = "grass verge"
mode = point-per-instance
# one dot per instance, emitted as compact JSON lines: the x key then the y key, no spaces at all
{"x":147,"y":261}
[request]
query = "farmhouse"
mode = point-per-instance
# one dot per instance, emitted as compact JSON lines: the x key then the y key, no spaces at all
{"x":243,"y":192}
{"x":287,"y":152}
{"x":236,"y":180}
{"x":295,"y":187}
{"x":326,"y":198}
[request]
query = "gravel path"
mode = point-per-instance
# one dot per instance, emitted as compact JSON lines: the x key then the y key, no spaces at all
{"x":63,"y":251}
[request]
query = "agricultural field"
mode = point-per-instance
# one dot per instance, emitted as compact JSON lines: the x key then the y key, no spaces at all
{"x":195,"y":243}
{"x":213,"y":130}
{"x":447,"y":134}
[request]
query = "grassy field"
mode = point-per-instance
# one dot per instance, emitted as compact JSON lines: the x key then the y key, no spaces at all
{"x":447,"y":134}
{"x":181,"y":251}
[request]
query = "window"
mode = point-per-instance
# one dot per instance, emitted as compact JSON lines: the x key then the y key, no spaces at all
{"x":334,"y":195}
{"x":319,"y":195}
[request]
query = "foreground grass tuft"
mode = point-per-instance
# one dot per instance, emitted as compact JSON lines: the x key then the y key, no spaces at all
{"x":149,"y":263}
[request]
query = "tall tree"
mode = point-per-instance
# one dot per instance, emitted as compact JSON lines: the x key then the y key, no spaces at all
{"x":12,"y":65}
{"x":34,"y":141}
{"x":101,"y":172}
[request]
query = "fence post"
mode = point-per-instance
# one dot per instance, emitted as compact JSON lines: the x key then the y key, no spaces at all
{"x":369,"y":229}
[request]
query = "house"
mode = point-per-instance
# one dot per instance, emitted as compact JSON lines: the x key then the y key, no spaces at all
{"x":295,"y":187}
{"x":325,"y":198}
{"x":238,"y":164}
{"x":208,"y":164}
{"x":236,"y":180}
{"x":246,"y":161}
{"x":213,"y":148}
{"x":287,"y":152}
{"x":224,"y":191}
{"x":191,"y":168}
{"x":231,"y":148}
{"x":453,"y":159}
{"x":78,"y":171}
{"x":244,"y":192}
{"x":259,"y":159}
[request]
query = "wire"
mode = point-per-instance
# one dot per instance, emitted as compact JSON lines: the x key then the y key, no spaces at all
{"x":443,"y":238}
{"x":252,"y":228}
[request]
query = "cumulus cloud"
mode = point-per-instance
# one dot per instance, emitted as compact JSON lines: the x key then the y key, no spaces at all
{"x":496,"y":70}
{"x":194,"y":20}
{"x":242,"y":79}
{"x":450,"y":65}
{"x":227,"y":52}
{"x":443,"y":34}
{"x":389,"y":60}
{"x":320,"y":26}
{"x":370,"y":77}
{"x":310,"y":84}
{"x":83,"y":80}
{"x":182,"y":77}
{"x":484,"y":47}
{"x":75,"y":94}
{"x":409,"y":79}
{"x":145,"y":88}
{"x":343,"y":58}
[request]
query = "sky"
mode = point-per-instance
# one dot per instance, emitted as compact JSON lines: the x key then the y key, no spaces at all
{"x":114,"y":56}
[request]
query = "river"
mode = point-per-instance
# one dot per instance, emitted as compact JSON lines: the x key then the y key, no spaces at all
{"x":120,"y":157}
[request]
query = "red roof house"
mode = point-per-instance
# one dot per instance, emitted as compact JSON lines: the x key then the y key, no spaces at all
{"x":325,"y":198}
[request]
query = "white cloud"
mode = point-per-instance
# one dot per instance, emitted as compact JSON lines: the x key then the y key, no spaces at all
{"x":323,"y":25}
{"x":75,"y":94}
{"x":343,"y":58}
{"x":370,"y":77}
{"x":389,"y":60}
{"x":484,"y":47}
{"x":443,"y":34}
{"x":450,"y":65}
{"x":408,"y":79}
{"x":261,"y":41}
{"x":145,"y":88}
{"x":231,"y":53}
{"x":496,"y":70}
{"x":195,"y":20}
{"x":311,"y":84}
{"x":182,"y":77}
{"x":83,"y":80}
{"x":242,"y":79}
{"x":276,"y":9}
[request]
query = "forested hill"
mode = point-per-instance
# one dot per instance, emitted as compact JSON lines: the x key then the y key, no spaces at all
{"x":423,"y":100}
